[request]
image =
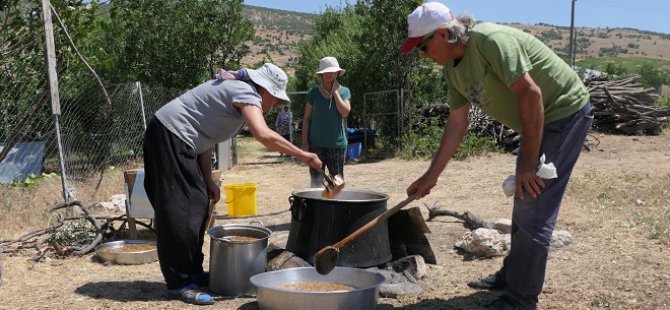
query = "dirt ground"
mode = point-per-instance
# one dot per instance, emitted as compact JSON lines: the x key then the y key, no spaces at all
{"x":615,"y":191}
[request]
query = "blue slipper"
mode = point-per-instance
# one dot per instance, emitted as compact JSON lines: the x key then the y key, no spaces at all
{"x":191,"y":294}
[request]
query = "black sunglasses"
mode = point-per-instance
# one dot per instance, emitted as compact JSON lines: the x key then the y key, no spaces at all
{"x":423,"y":46}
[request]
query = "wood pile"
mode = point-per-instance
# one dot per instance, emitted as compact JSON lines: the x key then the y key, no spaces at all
{"x":624,"y":106}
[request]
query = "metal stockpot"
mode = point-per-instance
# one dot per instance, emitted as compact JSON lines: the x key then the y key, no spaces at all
{"x":231,"y":264}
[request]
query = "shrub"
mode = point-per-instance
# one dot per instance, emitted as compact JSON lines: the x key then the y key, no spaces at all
{"x":475,"y":146}
{"x":424,"y":140}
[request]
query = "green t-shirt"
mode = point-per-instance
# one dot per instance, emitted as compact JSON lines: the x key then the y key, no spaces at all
{"x":496,"y":56}
{"x":327,"y":128}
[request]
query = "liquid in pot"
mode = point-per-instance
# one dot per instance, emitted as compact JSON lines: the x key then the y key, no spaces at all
{"x":317,"y":286}
{"x":130,"y":247}
{"x":240,"y":238}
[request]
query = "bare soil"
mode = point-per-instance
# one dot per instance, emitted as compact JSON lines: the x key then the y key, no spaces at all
{"x":615,"y":192}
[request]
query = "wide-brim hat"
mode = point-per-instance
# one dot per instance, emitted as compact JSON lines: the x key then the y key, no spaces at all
{"x":272,"y":78}
{"x":330,"y":64}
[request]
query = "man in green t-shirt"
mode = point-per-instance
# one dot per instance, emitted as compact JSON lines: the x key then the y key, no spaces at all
{"x":518,"y":80}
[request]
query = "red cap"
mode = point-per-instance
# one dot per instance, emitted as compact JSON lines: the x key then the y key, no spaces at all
{"x":410,"y":44}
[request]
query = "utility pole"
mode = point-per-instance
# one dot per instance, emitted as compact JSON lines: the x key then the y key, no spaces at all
{"x":572,"y":34}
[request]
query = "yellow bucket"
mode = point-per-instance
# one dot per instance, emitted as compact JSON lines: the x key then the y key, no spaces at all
{"x":240,"y":199}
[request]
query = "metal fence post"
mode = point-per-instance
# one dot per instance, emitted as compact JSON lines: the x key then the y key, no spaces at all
{"x":53,"y":88}
{"x":138,"y":86}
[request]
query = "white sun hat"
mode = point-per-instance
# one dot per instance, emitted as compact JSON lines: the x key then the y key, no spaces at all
{"x":272,"y":78}
{"x":329,"y":64}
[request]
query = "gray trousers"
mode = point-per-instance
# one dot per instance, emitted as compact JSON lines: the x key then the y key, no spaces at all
{"x":533,"y":219}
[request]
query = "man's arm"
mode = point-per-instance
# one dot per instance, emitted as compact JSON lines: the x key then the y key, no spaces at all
{"x":457,"y":125}
{"x":531,"y":112}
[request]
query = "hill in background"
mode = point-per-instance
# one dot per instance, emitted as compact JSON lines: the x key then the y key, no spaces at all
{"x":278,"y":33}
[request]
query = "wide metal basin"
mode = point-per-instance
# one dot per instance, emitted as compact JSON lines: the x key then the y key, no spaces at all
{"x":105,"y":253}
{"x":271,"y":297}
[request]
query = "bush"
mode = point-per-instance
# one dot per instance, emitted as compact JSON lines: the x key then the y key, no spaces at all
{"x":424,"y":140}
{"x":474,"y":146}
{"x":663,"y":101}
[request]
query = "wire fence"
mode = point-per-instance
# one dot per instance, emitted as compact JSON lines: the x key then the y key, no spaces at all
{"x":97,"y":136}
{"x":80,"y":153}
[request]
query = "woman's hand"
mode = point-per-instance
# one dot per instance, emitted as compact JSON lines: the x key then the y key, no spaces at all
{"x":336,"y":87}
{"x":213,"y":191}
{"x":312,"y":160}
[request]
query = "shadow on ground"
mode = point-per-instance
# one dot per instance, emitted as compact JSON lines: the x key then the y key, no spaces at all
{"x":469,"y":302}
{"x":124,"y":290}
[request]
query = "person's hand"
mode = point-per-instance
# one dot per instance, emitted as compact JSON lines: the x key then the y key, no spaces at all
{"x":213,"y":191}
{"x":313,"y":161}
{"x":336,"y":87}
{"x":527,"y":179}
{"x":422,"y":186}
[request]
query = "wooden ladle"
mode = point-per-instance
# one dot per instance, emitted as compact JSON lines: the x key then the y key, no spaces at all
{"x":326,"y":259}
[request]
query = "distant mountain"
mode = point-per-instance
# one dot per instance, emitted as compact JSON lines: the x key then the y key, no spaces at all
{"x":278,"y":33}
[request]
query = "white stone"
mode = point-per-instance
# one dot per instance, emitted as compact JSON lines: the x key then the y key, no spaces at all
{"x":119,"y":202}
{"x":485,"y":242}
{"x":560,"y":238}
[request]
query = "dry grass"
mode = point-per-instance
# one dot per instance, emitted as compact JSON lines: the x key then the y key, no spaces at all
{"x":613,"y":199}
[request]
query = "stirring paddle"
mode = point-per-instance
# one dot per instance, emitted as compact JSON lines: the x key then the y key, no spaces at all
{"x":326,"y":259}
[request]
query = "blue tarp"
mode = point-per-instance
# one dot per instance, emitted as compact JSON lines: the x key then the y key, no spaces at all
{"x":355,"y":135}
{"x":25,"y":158}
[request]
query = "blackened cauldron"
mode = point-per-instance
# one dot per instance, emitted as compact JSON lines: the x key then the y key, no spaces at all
{"x":317,"y":222}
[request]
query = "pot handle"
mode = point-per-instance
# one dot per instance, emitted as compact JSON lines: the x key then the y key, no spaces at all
{"x":257,"y":222}
{"x":298,"y":208}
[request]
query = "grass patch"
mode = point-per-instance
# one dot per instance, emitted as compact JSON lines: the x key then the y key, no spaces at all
{"x":630,"y":64}
{"x":247,"y":145}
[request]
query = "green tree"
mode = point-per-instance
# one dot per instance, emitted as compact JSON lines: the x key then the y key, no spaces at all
{"x":652,"y":76}
{"x":365,"y":38}
{"x":175,"y":43}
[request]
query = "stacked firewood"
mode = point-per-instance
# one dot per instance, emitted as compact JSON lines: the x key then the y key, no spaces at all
{"x":624,"y":106}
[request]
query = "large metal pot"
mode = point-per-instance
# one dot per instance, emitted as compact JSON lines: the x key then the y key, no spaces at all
{"x":272,"y":297}
{"x":317,"y":222}
{"x":231,"y":263}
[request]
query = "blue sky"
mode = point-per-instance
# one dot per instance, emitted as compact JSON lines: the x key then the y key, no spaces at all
{"x":650,"y":15}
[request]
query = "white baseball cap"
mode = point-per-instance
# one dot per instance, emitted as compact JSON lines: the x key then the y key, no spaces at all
{"x":330,"y":64}
{"x":425,"y":19}
{"x":272,"y":78}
